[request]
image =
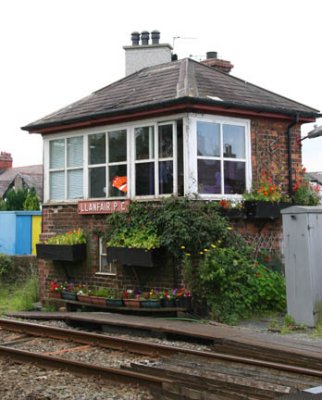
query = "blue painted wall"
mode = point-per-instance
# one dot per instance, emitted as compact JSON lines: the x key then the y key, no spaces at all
{"x":16,"y":232}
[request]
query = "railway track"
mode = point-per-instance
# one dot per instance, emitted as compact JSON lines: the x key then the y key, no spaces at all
{"x":170,"y":372}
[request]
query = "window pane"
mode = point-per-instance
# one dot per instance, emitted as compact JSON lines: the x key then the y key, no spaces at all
{"x":96,"y":149}
{"x":97,"y":182}
{"x":144,"y":184}
{"x":118,"y":180}
{"x":234,"y":141}
{"x":234,"y":177}
{"x":144,"y":143}
{"x":208,"y":139}
{"x":57,"y":154}
{"x":165,"y":177}
{"x":117,"y":146}
{"x":165,"y":141}
{"x":57,"y":185}
{"x":209,"y":176}
{"x":75,"y":152}
{"x":75,"y":184}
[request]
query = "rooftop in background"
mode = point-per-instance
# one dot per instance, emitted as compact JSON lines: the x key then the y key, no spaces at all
{"x":315,"y":177}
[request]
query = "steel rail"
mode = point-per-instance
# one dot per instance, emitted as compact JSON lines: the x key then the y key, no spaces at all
{"x":144,"y":348}
{"x":114,"y":374}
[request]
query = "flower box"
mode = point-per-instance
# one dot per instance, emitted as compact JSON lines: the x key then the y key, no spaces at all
{"x":98,"y":301}
{"x":55,"y":295}
{"x":168,"y":303}
{"x":132,"y":303}
{"x":114,"y":302}
{"x":84,"y":298}
{"x":68,"y":295}
{"x":61,"y":252}
{"x":133,"y":256}
{"x":264,"y":209}
{"x":184,"y":302}
{"x":150,"y":303}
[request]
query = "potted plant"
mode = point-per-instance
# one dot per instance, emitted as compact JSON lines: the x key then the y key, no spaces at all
{"x":266,"y":200}
{"x":69,"y":291}
{"x":183,"y":298}
{"x":150,"y":298}
{"x":305,"y":193}
{"x":168,"y":298}
{"x":70,"y":246}
{"x":99,"y":296}
{"x":84,"y":294}
{"x":134,"y":246}
{"x":114,"y":298}
{"x":131,"y":298}
{"x":55,"y":290}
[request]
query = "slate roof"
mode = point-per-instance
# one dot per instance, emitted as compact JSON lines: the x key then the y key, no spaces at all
{"x":172,"y":83}
{"x":32,"y":176}
{"x":315,"y":177}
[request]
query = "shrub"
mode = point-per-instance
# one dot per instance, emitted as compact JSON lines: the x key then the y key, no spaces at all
{"x":234,"y":286}
{"x":6,"y":264}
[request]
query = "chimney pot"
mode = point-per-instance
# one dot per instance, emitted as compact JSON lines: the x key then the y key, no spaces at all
{"x":135,"y":37}
{"x":155,"y":35}
{"x":5,"y":160}
{"x":211,"y":54}
{"x":145,"y":36}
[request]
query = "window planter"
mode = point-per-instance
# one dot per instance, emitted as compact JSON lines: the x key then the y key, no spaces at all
{"x":132,"y":256}
{"x":61,"y":252}
{"x":264,"y":209}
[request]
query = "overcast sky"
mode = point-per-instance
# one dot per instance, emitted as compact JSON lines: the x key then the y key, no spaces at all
{"x":54,"y":52}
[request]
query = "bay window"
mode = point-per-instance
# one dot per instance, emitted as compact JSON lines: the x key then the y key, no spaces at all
{"x":204,"y":155}
{"x":221,"y":158}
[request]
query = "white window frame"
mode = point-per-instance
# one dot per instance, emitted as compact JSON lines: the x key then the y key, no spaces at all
{"x":191,"y":157}
{"x":111,"y":268}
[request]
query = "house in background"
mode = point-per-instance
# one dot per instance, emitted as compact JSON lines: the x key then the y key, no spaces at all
{"x":315,"y":178}
{"x":170,"y":127}
{"x":20,"y":230}
{"x":30,"y":176}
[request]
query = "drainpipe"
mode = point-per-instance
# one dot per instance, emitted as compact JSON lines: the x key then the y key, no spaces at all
{"x":289,"y":152}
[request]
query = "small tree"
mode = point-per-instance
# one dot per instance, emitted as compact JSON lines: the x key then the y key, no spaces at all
{"x":32,"y":202}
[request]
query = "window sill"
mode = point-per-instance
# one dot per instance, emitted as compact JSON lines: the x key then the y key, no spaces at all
{"x":105,"y":274}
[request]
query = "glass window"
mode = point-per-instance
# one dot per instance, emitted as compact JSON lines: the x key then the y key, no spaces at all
{"x":75,"y":152}
{"x":57,"y":154}
{"x":233,"y":141}
{"x":57,"y":185}
{"x":209,"y":177}
{"x":144,"y":179}
{"x":165,"y":141}
{"x":144,"y":143}
{"x":117,"y":147}
{"x":165,"y":177}
{"x":217,"y":175}
{"x":105,"y":267}
{"x":75,"y":184}
{"x":97,"y":182}
{"x":208,"y":139}
{"x":67,"y":183}
{"x":118,"y":180}
{"x":96,"y":149}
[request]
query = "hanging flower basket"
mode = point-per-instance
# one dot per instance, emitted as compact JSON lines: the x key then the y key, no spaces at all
{"x":61,"y":252}
{"x":133,"y":256}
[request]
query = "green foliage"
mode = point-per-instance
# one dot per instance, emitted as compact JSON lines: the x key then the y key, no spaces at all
{"x":6,"y":264}
{"x":306,"y":195}
{"x":20,"y":297}
{"x":32,"y":202}
{"x":15,"y":199}
{"x":21,"y":199}
{"x":234,"y":285}
{"x":76,"y":236}
{"x":176,"y":224}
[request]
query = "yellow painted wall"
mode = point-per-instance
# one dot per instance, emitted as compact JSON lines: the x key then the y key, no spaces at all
{"x":36,"y":231}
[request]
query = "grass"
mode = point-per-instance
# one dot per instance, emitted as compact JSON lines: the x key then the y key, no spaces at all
{"x":19,"y":297}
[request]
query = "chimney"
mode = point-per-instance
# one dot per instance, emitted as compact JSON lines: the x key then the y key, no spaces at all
{"x":214,"y":62}
{"x":146,"y":54}
{"x":5,"y":160}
